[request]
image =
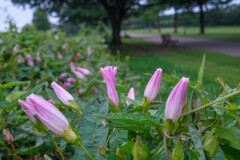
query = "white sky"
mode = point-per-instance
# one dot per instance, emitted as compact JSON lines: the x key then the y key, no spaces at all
{"x":22,"y":16}
{"x":19,"y":15}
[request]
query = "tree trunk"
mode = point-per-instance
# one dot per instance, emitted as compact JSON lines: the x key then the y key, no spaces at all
{"x":115,"y":13}
{"x":158,"y":25}
{"x":201,"y":20}
{"x":175,"y":21}
{"x":116,"y":30}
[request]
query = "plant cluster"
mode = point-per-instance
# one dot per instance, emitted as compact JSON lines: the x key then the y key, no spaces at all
{"x":67,"y":98}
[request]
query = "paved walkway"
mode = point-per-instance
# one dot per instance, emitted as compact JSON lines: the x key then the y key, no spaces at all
{"x":231,"y":48}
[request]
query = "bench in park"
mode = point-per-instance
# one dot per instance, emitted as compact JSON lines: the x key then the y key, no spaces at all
{"x":167,"y":40}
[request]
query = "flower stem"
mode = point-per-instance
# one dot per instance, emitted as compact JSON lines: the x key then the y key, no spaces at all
{"x":211,"y":103}
{"x":9,"y":151}
{"x":59,"y":150}
{"x":158,"y":152}
{"x":85,"y":150}
{"x":166,"y":148}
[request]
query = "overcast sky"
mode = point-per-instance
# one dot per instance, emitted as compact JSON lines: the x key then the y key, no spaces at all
{"x":22,"y":17}
{"x":19,"y":15}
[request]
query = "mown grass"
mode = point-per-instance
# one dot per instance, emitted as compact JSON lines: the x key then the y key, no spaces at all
{"x":219,"y":32}
{"x":146,"y":56}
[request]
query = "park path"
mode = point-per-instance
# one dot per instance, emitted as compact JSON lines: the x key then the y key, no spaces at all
{"x":231,"y":48}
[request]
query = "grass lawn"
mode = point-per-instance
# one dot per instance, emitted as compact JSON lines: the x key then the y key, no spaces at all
{"x":146,"y":56}
{"x":220,"y":32}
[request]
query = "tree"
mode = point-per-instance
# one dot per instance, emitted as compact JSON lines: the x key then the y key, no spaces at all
{"x":40,"y":20}
{"x":116,"y":10}
{"x":201,"y":4}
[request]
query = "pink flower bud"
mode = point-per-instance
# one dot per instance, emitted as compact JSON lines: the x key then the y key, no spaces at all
{"x":62,"y":94}
{"x":131,"y":95}
{"x":20,"y":59}
{"x":78,"y":74}
{"x":109,"y":74}
{"x":16,"y":47}
{"x":89,"y":52}
{"x":30,"y":61}
{"x":64,"y":46}
{"x":78,"y":55}
{"x":27,"y":109}
{"x":66,"y":84}
{"x":47,"y":113}
{"x":71,"y":80}
{"x":62,"y":75}
{"x":72,"y":67}
{"x":59,"y":55}
{"x":38,"y":57}
{"x":83,"y":70}
{"x":176,"y":100}
{"x":153,"y":85}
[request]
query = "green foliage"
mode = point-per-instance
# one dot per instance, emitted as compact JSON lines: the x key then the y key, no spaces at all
{"x":40,"y":20}
{"x":208,"y":127}
{"x":91,"y":128}
{"x":178,"y":152}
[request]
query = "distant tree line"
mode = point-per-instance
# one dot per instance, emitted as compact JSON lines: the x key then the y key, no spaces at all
{"x":216,"y":16}
{"x":115,"y":12}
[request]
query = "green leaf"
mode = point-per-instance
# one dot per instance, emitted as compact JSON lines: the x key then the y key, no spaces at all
{"x":232,"y":110}
{"x":228,"y":120}
{"x":14,"y":95}
{"x":134,"y":102}
{"x":7,"y":85}
{"x":10,"y":105}
{"x":136,"y":118}
{"x":178,"y":151}
{"x":211,"y":145}
{"x":196,"y":138}
{"x":127,"y":147}
{"x":195,"y":135}
{"x":111,"y":156}
{"x":53,"y":95}
{"x":32,"y":149}
{"x":230,"y":153}
{"x":200,"y":73}
{"x":129,"y":126}
{"x":91,"y":129}
{"x":118,"y":138}
{"x":140,"y":151}
{"x":231,"y":135}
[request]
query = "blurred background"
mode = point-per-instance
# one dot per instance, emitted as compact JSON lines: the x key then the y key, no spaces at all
{"x":171,"y":34}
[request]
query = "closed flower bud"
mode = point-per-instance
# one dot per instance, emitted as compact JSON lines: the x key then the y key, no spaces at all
{"x":66,"y":84}
{"x":71,"y":80}
{"x":109,"y":74}
{"x":78,"y":55}
{"x":78,"y":74}
{"x":72,"y":67}
{"x":153,"y":85}
{"x":30,"y":61}
{"x":64,"y":46}
{"x":131,"y":95}
{"x":20,"y":59}
{"x":62,"y":94}
{"x":38,"y":57}
{"x":62,"y":75}
{"x":89,"y":52}
{"x":59,"y":55}
{"x":28,"y":109}
{"x":16,"y":47}
{"x":176,"y":100}
{"x":83,"y":70}
{"x":48,"y":114}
